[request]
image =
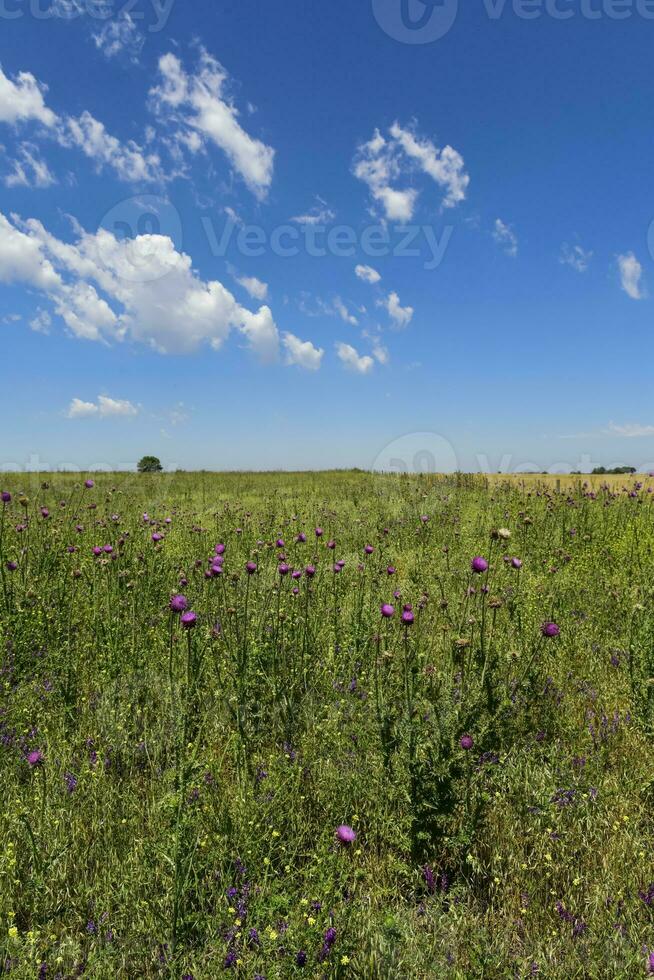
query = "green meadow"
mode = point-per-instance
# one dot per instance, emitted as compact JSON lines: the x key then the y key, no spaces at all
{"x":334,"y":725}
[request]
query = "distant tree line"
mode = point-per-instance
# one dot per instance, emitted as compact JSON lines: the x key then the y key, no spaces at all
{"x":616,"y":471}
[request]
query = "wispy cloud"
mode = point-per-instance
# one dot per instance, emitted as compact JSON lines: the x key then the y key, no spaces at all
{"x":631,"y":272}
{"x":103,"y":408}
{"x":575,"y":256}
{"x":506,"y":237}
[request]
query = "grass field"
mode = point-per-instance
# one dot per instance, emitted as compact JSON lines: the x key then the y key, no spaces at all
{"x":297,"y":782}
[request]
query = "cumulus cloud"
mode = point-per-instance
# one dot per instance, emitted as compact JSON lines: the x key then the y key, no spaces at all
{"x":23,"y":99}
{"x":255,"y":287}
{"x":104,"y":407}
{"x":631,"y":272}
{"x":198,"y":104}
{"x":367,"y":273}
{"x":575,"y":257}
{"x":505,"y":236}
{"x":445,"y":167}
{"x":400,"y":315}
{"x":384,"y":161}
{"x":142,"y":290}
{"x":350,"y":357}
{"x":302,"y":352}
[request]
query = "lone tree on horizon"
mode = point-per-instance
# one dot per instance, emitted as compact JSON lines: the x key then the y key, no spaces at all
{"x":149,"y":464}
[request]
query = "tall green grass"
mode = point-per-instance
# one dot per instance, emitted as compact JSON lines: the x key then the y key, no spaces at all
{"x":179,"y":817}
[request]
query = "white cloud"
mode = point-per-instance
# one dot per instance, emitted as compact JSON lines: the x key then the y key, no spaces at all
{"x":142,"y":290}
{"x":104,"y":407}
{"x":41,"y":322}
{"x":376,"y":165}
{"x":302,"y":352}
{"x":261,"y":333}
{"x":380,"y":163}
{"x":255,"y":287}
{"x":352,"y":360}
{"x":120,"y":36}
{"x":22,"y":99}
{"x":400,"y":315}
{"x":22,"y":260}
{"x":630,"y":275}
{"x":505,"y":236}
{"x":381,"y":354}
{"x":343,"y":312}
{"x":631,"y":430}
{"x":321,"y":214}
{"x":367,"y":273}
{"x":29,"y":170}
{"x":445,"y":167}
{"x":197,"y":103}
{"x":128,"y":160}
{"x":575,"y":257}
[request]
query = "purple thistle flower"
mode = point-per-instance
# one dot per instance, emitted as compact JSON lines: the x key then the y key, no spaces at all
{"x":516,"y":563}
{"x":251,"y":567}
{"x":466,"y":742}
{"x":283,"y":569}
{"x":71,"y":782}
{"x":328,"y":942}
{"x":6,"y":497}
{"x":279,"y":543}
{"x":319,"y":534}
{"x":408,"y":618}
{"x":301,"y":537}
{"x":11,"y":566}
{"x":188,"y":620}
{"x":479,"y":565}
{"x":35,"y":758}
{"x":301,"y":958}
{"x":391,"y":570}
{"x":156,"y":537}
{"x":89,"y":484}
{"x":550,"y":629}
{"x":178,"y":603}
{"x":368,"y":549}
{"x":345,"y":834}
{"x":310,"y":571}
{"x":387,"y":610}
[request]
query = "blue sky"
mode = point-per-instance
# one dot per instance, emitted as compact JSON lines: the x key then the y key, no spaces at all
{"x":301,"y":235}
